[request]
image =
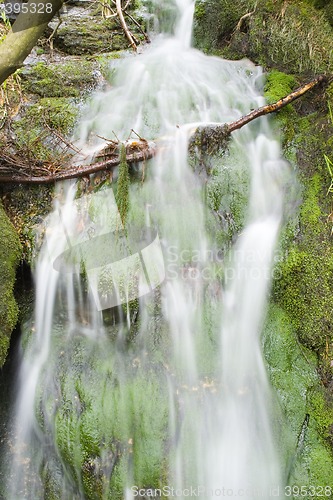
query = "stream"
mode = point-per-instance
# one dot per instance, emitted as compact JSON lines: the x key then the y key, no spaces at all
{"x":142,"y":370}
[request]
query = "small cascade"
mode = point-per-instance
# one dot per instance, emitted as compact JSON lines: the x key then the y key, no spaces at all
{"x":143,"y":361}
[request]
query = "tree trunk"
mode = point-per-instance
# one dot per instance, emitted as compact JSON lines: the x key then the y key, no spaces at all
{"x":25,"y":32}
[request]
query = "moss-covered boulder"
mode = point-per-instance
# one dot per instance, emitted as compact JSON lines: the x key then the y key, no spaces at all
{"x":295,"y":36}
{"x":10,"y":251}
{"x":215,"y":22}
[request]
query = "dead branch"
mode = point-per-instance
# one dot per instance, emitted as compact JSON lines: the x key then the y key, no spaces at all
{"x":271,"y":108}
{"x":124,"y":25}
{"x":15,"y":168}
{"x":215,"y":136}
{"x":138,"y":26}
{"x":138,"y":155}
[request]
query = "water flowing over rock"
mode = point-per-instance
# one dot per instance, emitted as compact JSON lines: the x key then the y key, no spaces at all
{"x":142,"y":367}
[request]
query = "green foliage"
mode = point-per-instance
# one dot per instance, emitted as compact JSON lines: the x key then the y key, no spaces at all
{"x":215,"y":21}
{"x":10,"y":251}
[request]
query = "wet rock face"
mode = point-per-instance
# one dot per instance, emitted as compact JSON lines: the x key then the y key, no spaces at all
{"x":78,"y":36}
{"x":82,"y":31}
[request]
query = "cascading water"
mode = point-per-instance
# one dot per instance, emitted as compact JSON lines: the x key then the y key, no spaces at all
{"x":169,"y":389}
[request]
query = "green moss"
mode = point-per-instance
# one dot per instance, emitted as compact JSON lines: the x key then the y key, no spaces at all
{"x":10,"y":251}
{"x":59,"y":79}
{"x":293,"y":372}
{"x":303,"y":288}
{"x":200,"y":10}
{"x":291,"y":36}
{"x":321,"y":411}
{"x":304,"y":278}
{"x":59,"y":113}
{"x":126,"y":423}
{"x":215,"y":21}
{"x":278,"y":85}
{"x":26,"y":207}
{"x":122,"y":195}
{"x":33,"y":129}
{"x":311,"y":213}
{"x":93,"y":35}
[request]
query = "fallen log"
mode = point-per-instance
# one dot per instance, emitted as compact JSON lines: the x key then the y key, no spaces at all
{"x":215,"y":135}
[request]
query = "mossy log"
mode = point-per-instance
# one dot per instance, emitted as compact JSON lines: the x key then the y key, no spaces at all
{"x":213,"y":136}
{"x":25,"y":32}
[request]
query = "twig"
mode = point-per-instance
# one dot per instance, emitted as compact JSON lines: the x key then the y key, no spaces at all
{"x":138,"y":25}
{"x":62,"y":139}
{"x":51,"y":37}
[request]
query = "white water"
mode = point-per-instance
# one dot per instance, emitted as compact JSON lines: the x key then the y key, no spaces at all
{"x":219,"y":407}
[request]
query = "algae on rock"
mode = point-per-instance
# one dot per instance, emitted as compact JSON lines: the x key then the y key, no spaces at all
{"x":10,"y":251}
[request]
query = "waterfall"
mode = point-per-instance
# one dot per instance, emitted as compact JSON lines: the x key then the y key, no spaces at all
{"x":163,"y":380}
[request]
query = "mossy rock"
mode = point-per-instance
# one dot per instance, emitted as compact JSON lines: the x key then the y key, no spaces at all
{"x":304,"y":283}
{"x":67,"y":78}
{"x":215,"y":21}
{"x":105,"y":421}
{"x":293,"y":37}
{"x":26,"y":207}
{"x":293,"y":373}
{"x":298,"y":39}
{"x":57,"y":113}
{"x":10,"y":252}
{"x":92,"y":35}
{"x":304,"y":286}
